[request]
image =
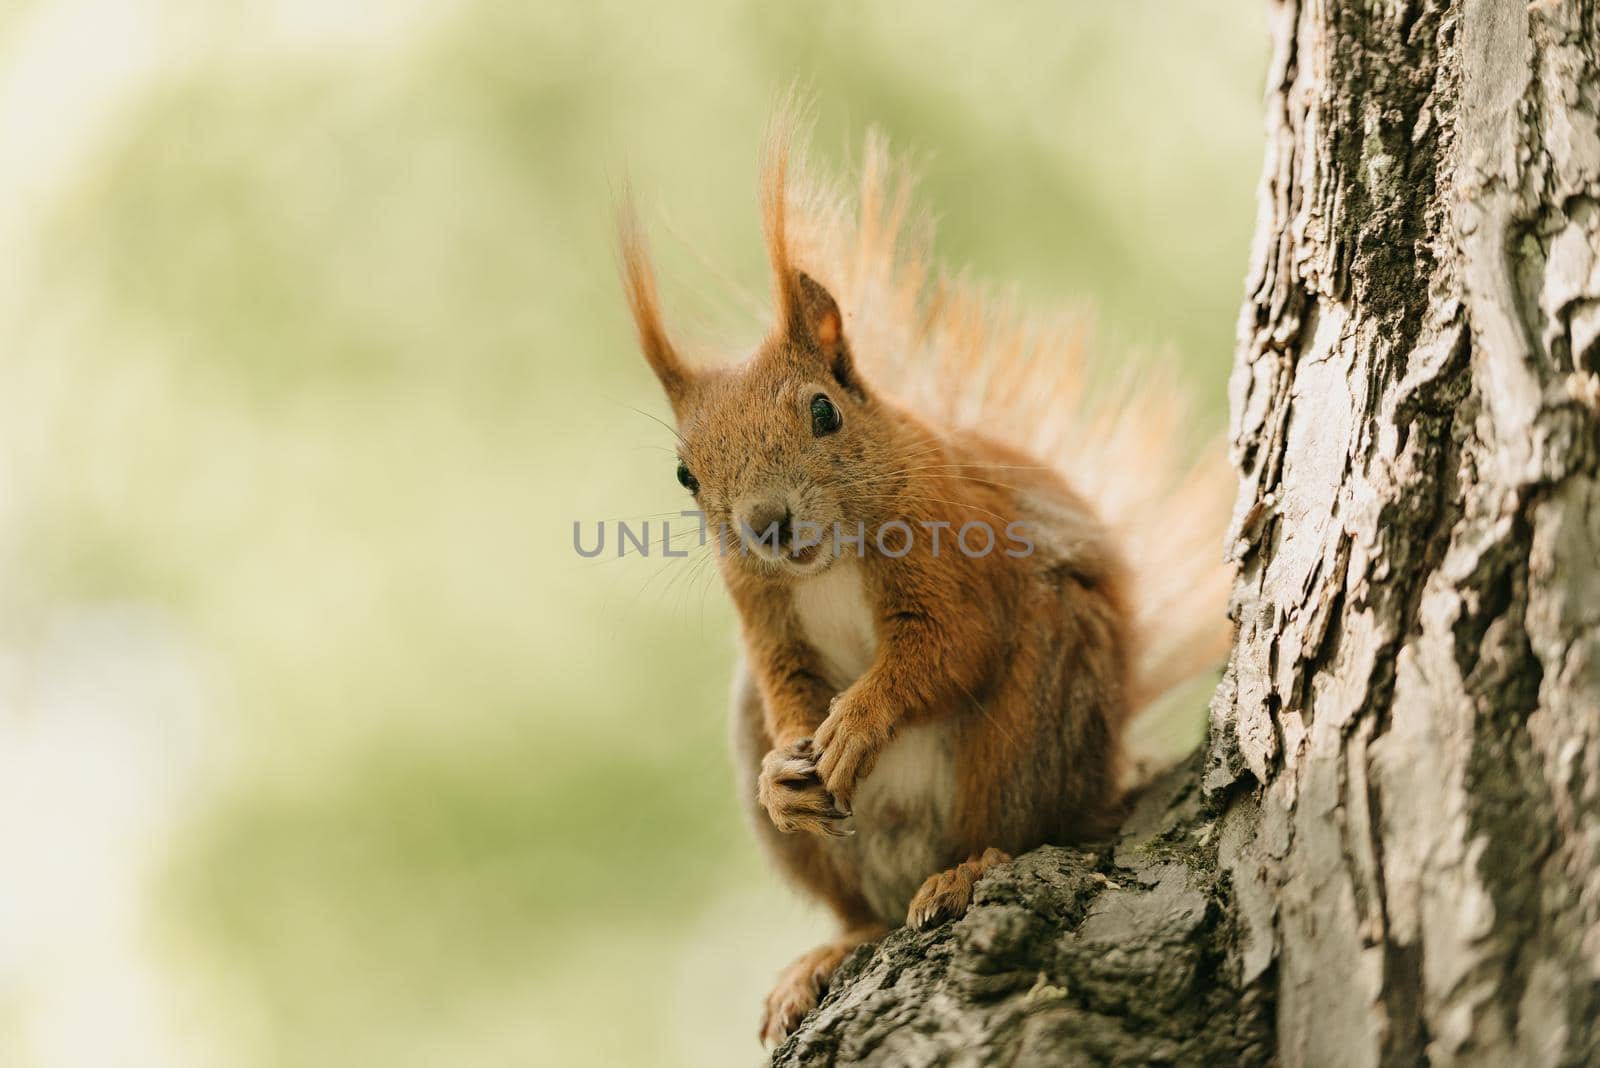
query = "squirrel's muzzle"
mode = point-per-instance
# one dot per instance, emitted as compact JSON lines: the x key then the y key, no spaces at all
{"x":767,"y":527}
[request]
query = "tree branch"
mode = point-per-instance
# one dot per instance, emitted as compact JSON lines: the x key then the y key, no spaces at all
{"x":1115,"y":954}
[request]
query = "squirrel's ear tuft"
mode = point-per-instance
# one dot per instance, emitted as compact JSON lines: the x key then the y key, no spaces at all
{"x":775,"y":152}
{"x":639,"y":283}
{"x":807,"y":313}
{"x":816,"y":319}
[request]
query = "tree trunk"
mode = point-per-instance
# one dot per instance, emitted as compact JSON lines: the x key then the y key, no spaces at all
{"x":1392,"y":852}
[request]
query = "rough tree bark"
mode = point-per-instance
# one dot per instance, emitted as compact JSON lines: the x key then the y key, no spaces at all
{"x":1390,"y":852}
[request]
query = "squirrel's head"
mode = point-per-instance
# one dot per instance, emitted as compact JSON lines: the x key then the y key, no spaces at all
{"x":783,"y":451}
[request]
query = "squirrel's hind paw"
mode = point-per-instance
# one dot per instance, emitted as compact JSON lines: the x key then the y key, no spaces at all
{"x":946,"y":895}
{"x":797,"y":992}
{"x":801,"y":986}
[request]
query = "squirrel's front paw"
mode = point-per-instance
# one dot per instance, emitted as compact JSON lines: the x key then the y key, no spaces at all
{"x":849,"y":741}
{"x":791,"y":791}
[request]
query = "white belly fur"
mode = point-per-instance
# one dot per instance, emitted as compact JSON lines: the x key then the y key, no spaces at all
{"x":836,"y":619}
{"x":901,"y":810}
{"x":903,"y":805}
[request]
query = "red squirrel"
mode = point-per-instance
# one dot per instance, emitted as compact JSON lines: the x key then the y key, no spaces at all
{"x":910,"y":710}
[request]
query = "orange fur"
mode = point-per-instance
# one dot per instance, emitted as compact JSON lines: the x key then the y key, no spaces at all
{"x":947,"y":709}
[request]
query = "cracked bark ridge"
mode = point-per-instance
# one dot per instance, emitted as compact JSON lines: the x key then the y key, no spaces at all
{"x":1414,"y":694}
{"x":1106,"y":955}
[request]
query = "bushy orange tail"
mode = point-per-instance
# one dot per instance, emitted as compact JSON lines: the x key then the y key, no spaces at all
{"x":960,"y":355}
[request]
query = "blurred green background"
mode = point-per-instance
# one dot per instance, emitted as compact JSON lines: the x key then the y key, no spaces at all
{"x":318,"y":744}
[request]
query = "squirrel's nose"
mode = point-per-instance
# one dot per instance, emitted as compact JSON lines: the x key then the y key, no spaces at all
{"x":761,"y":518}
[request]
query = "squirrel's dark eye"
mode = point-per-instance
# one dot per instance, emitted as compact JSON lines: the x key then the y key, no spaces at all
{"x":825,"y":418}
{"x":686,"y":480}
